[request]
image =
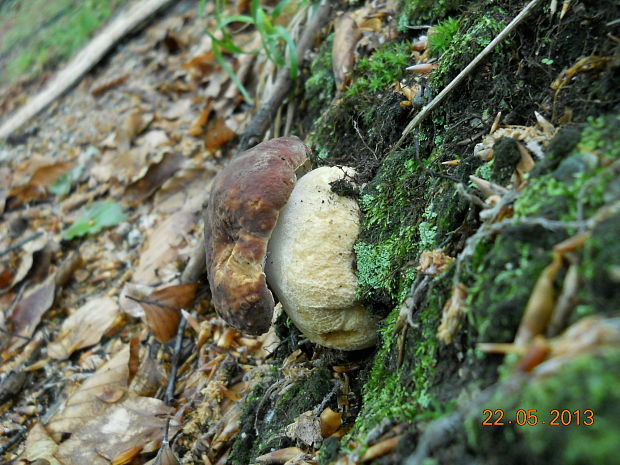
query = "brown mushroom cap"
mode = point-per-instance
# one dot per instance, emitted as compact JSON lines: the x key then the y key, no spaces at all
{"x":246,"y":199}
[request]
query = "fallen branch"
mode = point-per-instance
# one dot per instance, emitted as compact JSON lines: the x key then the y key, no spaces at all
{"x":265,"y":115}
{"x":415,"y":122}
{"x":88,"y":57}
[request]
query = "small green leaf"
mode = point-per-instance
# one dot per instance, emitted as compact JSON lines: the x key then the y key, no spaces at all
{"x":546,"y":61}
{"x":94,"y":218}
{"x":62,"y":186}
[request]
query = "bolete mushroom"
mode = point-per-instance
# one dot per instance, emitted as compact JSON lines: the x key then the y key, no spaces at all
{"x":246,"y":198}
{"x":302,"y":234}
{"x":310,"y":263}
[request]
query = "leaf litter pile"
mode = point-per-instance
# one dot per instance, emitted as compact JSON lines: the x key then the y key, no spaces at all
{"x":100,"y":213}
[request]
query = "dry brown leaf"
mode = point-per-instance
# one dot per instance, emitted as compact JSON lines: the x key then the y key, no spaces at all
{"x":178,"y":109}
{"x":346,"y":36}
{"x":35,"y":302}
{"x":127,"y":456}
{"x":281,"y":455}
{"x":40,"y":446}
{"x":199,"y":125}
{"x":85,"y":327}
{"x":163,"y":309}
{"x":218,"y":134}
{"x":165,"y":456}
{"x":37,"y":188}
{"x":137,"y":422}
{"x":27,"y":258}
{"x":162,"y":247}
{"x":200,"y":65}
{"x":330,"y":422}
{"x":102,"y":88}
{"x":381,"y":448}
{"x":187,"y":185}
{"x":155,"y":176}
{"x":452,"y":315}
{"x":307,"y":429}
{"x":132,"y":125}
{"x":86,"y":403}
{"x":149,"y":378}
{"x":129,"y":305}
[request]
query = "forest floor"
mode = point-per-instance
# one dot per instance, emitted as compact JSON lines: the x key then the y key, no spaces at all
{"x":487,"y":253}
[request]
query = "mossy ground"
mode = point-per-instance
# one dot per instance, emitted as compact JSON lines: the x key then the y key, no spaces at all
{"x":410,"y":204}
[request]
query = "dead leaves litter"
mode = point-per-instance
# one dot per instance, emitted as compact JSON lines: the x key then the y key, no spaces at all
{"x":85,"y":327}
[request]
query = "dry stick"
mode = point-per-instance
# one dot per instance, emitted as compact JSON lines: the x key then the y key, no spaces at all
{"x":457,"y":80}
{"x":264,"y":116}
{"x":172,"y":378}
{"x":88,"y":57}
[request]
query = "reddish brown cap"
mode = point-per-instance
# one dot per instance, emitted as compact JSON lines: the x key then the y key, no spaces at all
{"x":246,"y":199}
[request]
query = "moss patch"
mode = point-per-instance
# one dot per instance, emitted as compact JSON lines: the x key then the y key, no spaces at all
{"x":268,"y":412}
{"x":585,"y":383}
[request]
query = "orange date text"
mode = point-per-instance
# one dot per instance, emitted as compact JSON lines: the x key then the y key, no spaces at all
{"x":524,"y":417}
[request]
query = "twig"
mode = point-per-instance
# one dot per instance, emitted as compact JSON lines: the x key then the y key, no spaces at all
{"x":169,"y":397}
{"x":17,"y":245}
{"x":461,"y":76}
{"x":14,"y":440}
{"x":264,"y":116}
{"x":88,"y":57}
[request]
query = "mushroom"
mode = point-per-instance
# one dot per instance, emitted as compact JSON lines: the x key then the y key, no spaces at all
{"x":302,"y":234}
{"x":246,"y":198}
{"x":310,"y":263}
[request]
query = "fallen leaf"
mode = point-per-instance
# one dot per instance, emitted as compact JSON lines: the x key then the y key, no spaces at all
{"x":136,"y":422}
{"x":40,"y":446}
{"x":201,"y":65}
{"x":178,"y":109}
{"x":162,"y":246}
{"x":87,"y":402}
{"x":156,"y":175}
{"x":94,"y":218}
{"x":218,"y":134}
{"x":35,"y":302}
{"x":165,"y":456}
{"x":281,"y":455}
{"x":163,"y":309}
{"x":199,"y":125}
{"x":85,"y":327}
{"x":188,"y":185}
{"x":101,"y":89}
{"x":133,"y":125}
{"x":29,"y":249}
{"x":37,"y":188}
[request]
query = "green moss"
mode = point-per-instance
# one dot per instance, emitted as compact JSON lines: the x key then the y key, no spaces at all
{"x":417,"y":11}
{"x":500,"y":278}
{"x":579,"y":178}
{"x":600,"y":268}
{"x":386,"y":394}
{"x":589,"y":382}
{"x":392,"y":210}
{"x":378,"y":71}
{"x":476,"y":33}
{"x":264,"y":418}
{"x":441,"y":38}
{"x":406,"y":391}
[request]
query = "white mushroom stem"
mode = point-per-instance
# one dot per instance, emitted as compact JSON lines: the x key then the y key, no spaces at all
{"x":310,"y":263}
